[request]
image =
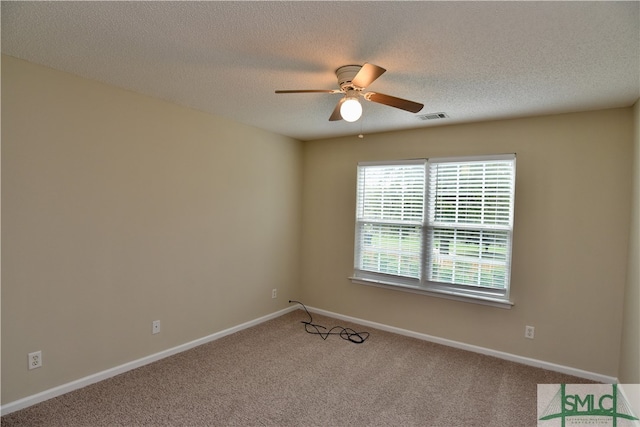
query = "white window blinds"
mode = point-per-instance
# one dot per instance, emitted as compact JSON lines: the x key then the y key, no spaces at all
{"x":439,"y":225}
{"x":389,"y":218}
{"x":470,"y":221}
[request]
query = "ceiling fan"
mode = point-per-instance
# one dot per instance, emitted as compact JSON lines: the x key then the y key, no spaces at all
{"x":353,"y":80}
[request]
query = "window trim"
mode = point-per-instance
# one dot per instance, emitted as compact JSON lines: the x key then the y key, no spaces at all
{"x":470,"y":294}
{"x":450,"y":295}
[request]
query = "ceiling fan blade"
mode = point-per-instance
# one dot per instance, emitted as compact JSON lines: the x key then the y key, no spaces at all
{"x":307,"y":91}
{"x":335,"y":116}
{"x":367,"y":74}
{"x":392,"y":101}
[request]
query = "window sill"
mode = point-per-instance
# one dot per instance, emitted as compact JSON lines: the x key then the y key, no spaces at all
{"x":492,"y":302}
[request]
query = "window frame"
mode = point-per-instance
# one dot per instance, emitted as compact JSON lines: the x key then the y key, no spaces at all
{"x":468,"y":293}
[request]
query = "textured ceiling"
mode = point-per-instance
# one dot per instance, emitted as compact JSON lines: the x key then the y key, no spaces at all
{"x":472,"y":60}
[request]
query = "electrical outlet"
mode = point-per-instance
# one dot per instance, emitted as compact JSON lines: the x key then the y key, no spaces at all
{"x":155,"y":327}
{"x":35,"y":359}
{"x":529,"y":332}
{"x":274,"y":293}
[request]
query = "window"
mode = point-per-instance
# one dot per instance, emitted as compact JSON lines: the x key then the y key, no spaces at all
{"x":437,"y":226}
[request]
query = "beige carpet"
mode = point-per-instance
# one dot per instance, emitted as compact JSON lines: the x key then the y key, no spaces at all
{"x":275,"y":374}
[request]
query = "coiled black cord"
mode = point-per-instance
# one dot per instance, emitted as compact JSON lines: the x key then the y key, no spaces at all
{"x":344,"y":333}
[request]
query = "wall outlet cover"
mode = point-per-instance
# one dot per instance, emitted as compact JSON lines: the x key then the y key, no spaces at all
{"x":35,"y":359}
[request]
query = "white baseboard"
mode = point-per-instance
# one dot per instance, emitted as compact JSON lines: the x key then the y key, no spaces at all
{"x":100,"y":376}
{"x":605,"y":379}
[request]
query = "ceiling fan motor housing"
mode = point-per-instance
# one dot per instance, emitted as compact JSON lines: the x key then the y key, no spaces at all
{"x":346,"y":74}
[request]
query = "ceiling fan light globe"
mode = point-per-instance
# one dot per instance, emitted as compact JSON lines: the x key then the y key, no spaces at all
{"x":351,"y":110}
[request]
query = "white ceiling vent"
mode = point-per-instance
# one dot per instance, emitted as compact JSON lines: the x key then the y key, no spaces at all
{"x":433,"y":116}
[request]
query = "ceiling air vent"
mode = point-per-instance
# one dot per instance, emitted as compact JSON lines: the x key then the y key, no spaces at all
{"x":433,"y":116}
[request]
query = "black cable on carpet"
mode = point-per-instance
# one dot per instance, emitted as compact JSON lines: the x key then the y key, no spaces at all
{"x":344,"y":333}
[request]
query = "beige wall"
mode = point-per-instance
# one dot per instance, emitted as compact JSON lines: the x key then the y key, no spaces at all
{"x":570,"y":237}
{"x":119,"y":209}
{"x":630,"y":350}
